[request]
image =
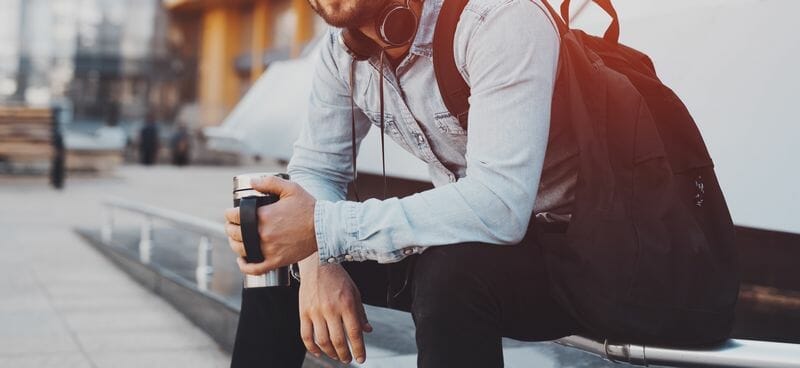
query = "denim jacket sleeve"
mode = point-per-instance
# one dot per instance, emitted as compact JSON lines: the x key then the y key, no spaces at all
{"x":509,"y":56}
{"x":321,"y":162}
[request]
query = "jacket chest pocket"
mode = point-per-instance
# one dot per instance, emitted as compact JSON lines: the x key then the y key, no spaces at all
{"x":448,"y":124}
{"x":389,"y":126}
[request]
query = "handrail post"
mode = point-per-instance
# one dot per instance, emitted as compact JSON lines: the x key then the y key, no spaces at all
{"x":145,"y":240}
{"x":204,"y":268}
{"x":107,"y":231}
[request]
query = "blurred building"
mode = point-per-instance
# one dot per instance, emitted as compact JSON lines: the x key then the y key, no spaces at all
{"x":105,"y":60}
{"x":115,"y":61}
{"x":234,"y":41}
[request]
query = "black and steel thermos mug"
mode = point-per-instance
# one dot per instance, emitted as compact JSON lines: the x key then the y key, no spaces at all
{"x":267,"y":331}
{"x":248,"y":200}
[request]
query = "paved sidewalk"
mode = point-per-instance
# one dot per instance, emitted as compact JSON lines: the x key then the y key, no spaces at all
{"x":64,"y":305}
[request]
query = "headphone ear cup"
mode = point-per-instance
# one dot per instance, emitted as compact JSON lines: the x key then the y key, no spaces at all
{"x":398,"y":25}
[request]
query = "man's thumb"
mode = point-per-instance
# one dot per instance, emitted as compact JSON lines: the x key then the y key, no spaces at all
{"x":272,"y":185}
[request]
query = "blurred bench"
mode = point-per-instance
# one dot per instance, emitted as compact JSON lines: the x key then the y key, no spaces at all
{"x":31,"y":137}
{"x":732,"y":353}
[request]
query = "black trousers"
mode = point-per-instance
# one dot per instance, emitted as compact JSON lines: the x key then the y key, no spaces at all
{"x":463,"y":298}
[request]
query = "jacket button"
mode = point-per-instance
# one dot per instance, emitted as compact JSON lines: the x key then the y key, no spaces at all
{"x":332,"y":260}
{"x":408,"y":251}
{"x":348,"y":257}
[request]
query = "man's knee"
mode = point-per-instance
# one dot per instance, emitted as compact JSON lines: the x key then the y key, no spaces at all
{"x":450,"y":285}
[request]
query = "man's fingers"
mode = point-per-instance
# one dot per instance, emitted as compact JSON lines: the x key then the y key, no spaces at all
{"x":255,"y":268}
{"x":322,"y":338}
{"x":237,"y":247}
{"x":307,"y":334}
{"x":233,"y":231}
{"x":272,"y":184}
{"x":232,"y":215}
{"x":363,"y":318}
{"x":251,"y":268}
{"x":338,"y":338}
{"x":353,"y":325}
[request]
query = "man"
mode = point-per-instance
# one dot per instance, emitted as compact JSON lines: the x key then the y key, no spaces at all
{"x":148,"y":141}
{"x":180,"y":145}
{"x":459,"y":257}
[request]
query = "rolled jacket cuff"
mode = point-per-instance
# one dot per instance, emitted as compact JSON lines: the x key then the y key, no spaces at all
{"x":336,"y":230}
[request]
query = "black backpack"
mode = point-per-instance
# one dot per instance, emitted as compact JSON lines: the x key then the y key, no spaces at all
{"x":648,"y":255}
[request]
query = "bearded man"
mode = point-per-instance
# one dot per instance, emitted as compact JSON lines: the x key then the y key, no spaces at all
{"x":458,"y":257}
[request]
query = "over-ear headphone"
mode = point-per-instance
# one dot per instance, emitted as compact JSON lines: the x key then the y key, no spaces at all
{"x":396,"y":26}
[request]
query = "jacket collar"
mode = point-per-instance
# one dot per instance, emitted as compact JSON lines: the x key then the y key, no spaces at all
{"x":423,"y":41}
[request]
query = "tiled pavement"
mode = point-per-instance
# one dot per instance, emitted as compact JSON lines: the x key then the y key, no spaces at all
{"x":64,"y":305}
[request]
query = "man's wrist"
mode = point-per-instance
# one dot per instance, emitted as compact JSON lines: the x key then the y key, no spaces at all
{"x":308,"y":265}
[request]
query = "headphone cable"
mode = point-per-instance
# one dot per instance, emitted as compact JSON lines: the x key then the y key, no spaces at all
{"x":353,"y":126}
{"x":383,"y":147}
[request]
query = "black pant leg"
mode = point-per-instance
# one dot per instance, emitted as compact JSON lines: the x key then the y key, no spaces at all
{"x":268,"y":334}
{"x":530,"y":309}
{"x":384,"y":285}
{"x":456,"y":317}
{"x":467,"y":297}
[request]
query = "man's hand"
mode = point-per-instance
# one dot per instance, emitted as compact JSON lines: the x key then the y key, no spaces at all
{"x":331,"y":313}
{"x":286,"y":228}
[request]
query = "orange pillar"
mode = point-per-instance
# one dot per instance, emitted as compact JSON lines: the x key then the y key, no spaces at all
{"x":305,"y":25}
{"x":219,"y":85}
{"x":261,"y":39}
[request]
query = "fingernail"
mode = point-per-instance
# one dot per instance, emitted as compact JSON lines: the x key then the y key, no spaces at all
{"x":360,"y":360}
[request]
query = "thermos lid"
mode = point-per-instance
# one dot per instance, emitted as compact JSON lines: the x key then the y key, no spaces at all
{"x":242,"y":181}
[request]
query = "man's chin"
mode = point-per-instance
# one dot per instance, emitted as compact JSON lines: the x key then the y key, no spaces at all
{"x":350,"y":18}
{"x":348,"y":21}
{"x":342,"y":22}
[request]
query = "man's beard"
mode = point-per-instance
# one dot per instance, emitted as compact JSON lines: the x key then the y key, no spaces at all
{"x":349,"y":13}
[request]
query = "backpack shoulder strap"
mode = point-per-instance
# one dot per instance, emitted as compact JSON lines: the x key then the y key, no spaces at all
{"x":454,"y":90}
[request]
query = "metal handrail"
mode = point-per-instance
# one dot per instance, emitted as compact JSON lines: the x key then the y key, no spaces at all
{"x":188,"y":222}
{"x":732,"y":353}
{"x":206,"y":229}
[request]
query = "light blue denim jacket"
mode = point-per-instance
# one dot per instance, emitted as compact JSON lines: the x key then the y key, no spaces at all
{"x":485,"y":186}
